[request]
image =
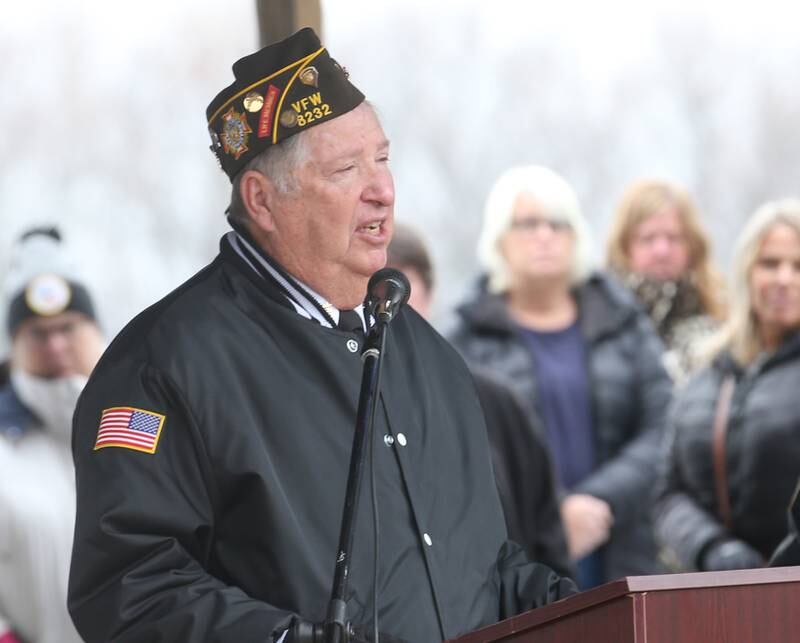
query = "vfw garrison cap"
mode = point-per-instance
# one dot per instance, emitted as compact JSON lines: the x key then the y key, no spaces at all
{"x":279,"y":91}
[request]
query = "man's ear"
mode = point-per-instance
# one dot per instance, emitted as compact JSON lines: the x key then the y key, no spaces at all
{"x":258,"y":196}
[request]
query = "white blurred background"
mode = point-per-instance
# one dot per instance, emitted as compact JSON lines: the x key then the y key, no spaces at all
{"x":103,"y":117}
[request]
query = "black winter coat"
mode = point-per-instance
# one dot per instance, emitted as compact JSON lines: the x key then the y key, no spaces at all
{"x":524,"y":476}
{"x":630,"y":397}
{"x":229,"y":529}
{"x":788,"y":552}
{"x":762,"y":456}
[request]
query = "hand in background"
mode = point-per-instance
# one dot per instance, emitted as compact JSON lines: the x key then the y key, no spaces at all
{"x":730,"y":554}
{"x":587,"y":522}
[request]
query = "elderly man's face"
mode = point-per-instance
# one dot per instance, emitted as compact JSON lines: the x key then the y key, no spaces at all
{"x":331,"y":232}
{"x":59,"y":346}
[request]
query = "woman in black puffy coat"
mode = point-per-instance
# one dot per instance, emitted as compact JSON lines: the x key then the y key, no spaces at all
{"x":585,"y":360}
{"x":724,"y":506}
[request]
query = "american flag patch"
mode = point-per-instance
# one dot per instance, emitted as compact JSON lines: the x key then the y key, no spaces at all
{"x":129,"y":428}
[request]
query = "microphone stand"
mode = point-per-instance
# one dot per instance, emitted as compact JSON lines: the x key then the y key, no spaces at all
{"x":336,"y":629}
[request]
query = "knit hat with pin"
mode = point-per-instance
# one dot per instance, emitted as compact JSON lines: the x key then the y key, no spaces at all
{"x":41,"y":281}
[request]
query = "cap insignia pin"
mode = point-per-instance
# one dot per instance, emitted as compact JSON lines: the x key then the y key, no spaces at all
{"x":288,"y":118}
{"x":215,"y":144}
{"x":341,"y":69}
{"x":234,"y":133}
{"x":309,"y":76}
{"x":253,"y":102}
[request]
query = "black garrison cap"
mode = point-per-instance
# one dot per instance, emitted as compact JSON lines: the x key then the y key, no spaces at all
{"x":280,"y":90}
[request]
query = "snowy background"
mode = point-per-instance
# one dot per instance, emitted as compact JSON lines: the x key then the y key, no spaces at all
{"x":103,"y":112}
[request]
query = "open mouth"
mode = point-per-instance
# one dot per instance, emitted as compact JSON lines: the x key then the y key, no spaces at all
{"x":372,"y":228}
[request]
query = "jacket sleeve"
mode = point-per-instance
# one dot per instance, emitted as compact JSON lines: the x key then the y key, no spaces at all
{"x":787,"y":554}
{"x":524,"y":476}
{"x":545,"y":530}
{"x":142,"y":565}
{"x":682,"y":527}
{"x":526,"y":585}
{"x":621,"y":480}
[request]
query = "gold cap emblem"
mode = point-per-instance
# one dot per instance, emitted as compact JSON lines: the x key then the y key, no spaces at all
{"x":235,"y":130}
{"x":309,"y":76}
{"x":289,"y":118}
{"x":253,"y":102}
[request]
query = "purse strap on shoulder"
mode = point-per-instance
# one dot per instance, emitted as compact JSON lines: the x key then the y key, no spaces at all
{"x":719,"y":432}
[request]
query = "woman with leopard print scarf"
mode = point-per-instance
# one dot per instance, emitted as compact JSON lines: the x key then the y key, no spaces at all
{"x":659,"y":250}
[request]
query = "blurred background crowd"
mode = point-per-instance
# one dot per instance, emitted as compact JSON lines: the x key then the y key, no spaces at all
{"x":107,"y":130}
{"x":597,"y":206}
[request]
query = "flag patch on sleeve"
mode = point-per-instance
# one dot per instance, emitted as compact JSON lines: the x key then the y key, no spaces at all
{"x":129,"y":428}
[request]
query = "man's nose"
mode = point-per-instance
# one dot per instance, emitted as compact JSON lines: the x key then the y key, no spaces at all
{"x":380,"y":187}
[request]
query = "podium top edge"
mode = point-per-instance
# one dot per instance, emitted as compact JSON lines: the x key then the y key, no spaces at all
{"x":665,"y":582}
{"x":631,"y":585}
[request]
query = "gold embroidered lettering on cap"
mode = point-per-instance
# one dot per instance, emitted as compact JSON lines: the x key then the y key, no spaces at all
{"x":309,"y":76}
{"x":253,"y":102}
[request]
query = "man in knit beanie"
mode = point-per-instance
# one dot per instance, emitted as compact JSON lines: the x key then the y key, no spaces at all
{"x":55,"y":342}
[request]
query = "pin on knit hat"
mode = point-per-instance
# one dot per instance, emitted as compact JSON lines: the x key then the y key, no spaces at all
{"x":41,"y":281}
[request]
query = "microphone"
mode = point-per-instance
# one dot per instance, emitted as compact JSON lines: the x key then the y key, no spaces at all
{"x":387,"y":291}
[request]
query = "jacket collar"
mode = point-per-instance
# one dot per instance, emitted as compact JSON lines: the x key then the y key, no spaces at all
{"x":604,"y":308}
{"x":788,"y":350}
{"x":229,"y":256}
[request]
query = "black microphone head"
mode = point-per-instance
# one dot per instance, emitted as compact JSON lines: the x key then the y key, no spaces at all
{"x":387,"y":291}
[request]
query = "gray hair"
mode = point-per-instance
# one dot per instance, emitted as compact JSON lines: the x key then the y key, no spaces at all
{"x":740,"y":334}
{"x":559,"y":202}
{"x":277,"y":162}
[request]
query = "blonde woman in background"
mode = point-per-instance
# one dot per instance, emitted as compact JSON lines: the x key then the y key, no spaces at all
{"x":660,"y":251}
{"x":725,"y":507}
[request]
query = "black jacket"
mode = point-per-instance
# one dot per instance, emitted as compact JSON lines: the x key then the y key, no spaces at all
{"x":230,"y":528}
{"x":762,"y":449}
{"x":524,"y":476}
{"x":788,"y":552}
{"x":630,"y":396}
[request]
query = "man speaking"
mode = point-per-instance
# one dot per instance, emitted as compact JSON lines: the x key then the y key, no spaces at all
{"x":213,"y":440}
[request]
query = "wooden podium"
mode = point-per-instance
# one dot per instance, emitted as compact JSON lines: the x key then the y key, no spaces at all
{"x":747,"y":606}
